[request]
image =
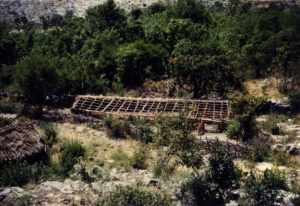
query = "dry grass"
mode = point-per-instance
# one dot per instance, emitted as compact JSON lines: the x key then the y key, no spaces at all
{"x":97,"y":143}
{"x":255,"y":88}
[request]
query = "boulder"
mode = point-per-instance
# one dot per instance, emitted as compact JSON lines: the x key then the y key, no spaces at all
{"x":4,"y":193}
{"x":153,"y":182}
{"x":63,"y":193}
{"x":292,"y":149}
{"x":277,"y":147}
{"x":232,"y":203}
{"x":96,"y":170}
{"x":235,"y":194}
{"x":289,"y":199}
{"x":11,"y":194}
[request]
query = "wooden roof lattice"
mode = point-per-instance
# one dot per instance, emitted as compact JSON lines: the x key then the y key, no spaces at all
{"x":125,"y":107}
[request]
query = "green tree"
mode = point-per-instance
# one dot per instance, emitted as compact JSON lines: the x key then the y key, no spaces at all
{"x":203,"y":67}
{"x":56,"y":20}
{"x":190,"y":9}
{"x":213,"y":185}
{"x":264,"y":190}
{"x":105,"y":16}
{"x":36,"y":78}
{"x":137,"y":60}
{"x":245,"y":109}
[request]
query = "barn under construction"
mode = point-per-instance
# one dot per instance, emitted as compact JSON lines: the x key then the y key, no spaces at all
{"x":126,"y":107}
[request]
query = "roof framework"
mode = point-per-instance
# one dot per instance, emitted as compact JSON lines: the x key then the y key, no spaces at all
{"x":125,"y":107}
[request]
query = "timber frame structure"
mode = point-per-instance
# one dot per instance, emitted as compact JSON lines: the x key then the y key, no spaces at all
{"x":127,"y":107}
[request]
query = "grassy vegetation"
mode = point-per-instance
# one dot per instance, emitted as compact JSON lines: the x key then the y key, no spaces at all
{"x":271,"y":125}
{"x":50,"y":133}
{"x":140,"y":157}
{"x":69,"y":156}
{"x":117,"y":128}
{"x":134,"y":195}
{"x":5,"y":121}
{"x":121,"y":160}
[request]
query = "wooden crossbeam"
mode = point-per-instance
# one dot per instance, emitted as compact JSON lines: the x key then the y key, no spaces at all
{"x":208,"y":110}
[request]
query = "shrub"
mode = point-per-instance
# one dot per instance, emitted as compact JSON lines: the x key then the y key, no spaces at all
{"x":211,"y":186}
{"x":246,"y":108}
{"x":134,"y":195}
{"x":44,"y":172}
{"x":271,"y":125}
{"x":140,"y":156}
{"x":5,"y":121}
{"x":21,"y":201}
{"x":116,"y":127}
{"x":164,"y":134}
{"x":263,"y":190}
{"x":144,"y":133}
{"x":50,"y":133}
{"x":6,"y":108}
{"x":233,"y":130}
{"x":15,"y":173}
{"x":260,"y":152}
{"x":197,"y":190}
{"x":163,"y":168}
{"x":221,"y":170}
{"x":69,"y":156}
{"x":121,"y":160}
{"x":281,"y":158}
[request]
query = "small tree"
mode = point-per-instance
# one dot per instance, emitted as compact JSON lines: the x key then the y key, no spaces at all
{"x":69,"y":156}
{"x":246,"y":108}
{"x":36,"y":78}
{"x":212,"y":186}
{"x":263,"y":190}
{"x":221,"y":171}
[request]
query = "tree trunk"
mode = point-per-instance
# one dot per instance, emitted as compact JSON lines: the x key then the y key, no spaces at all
{"x":39,"y":112}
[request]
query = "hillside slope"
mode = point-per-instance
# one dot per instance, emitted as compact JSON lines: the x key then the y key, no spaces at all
{"x":33,"y":9}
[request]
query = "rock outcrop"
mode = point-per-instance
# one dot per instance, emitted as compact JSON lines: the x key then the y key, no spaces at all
{"x":19,"y":141}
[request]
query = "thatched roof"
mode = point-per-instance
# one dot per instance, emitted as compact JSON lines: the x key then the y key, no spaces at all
{"x":19,"y":141}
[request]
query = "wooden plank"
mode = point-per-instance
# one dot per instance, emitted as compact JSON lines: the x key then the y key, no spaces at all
{"x":210,"y":110}
{"x":111,"y":101}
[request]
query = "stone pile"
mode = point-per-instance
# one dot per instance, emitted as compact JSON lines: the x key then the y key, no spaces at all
{"x":19,"y":141}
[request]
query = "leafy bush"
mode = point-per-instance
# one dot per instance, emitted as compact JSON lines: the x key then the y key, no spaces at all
{"x":259,"y":153}
{"x":233,"y":130}
{"x":264,"y":190}
{"x":117,"y":128}
{"x":16,"y":173}
{"x":163,"y":168}
{"x":50,"y":133}
{"x":4,"y":108}
{"x":134,"y":195}
{"x":69,"y":156}
{"x":246,"y":108}
{"x":140,"y":156}
{"x":5,"y":121}
{"x":197,"y":190}
{"x":211,"y":186}
{"x":121,"y":160}
{"x":221,"y":170}
{"x":271,"y":125}
{"x":144,"y":133}
{"x":281,"y":158}
{"x":165,"y":133}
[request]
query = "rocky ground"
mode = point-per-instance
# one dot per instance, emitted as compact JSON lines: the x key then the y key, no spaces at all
{"x":33,"y":9}
{"x":100,"y":147}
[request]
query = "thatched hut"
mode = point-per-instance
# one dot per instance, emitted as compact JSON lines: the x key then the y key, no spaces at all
{"x":19,"y":141}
